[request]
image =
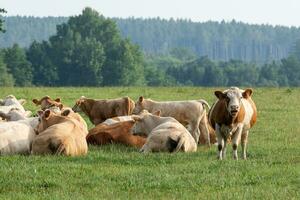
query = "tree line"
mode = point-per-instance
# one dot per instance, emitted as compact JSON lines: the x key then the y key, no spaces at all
{"x":89,"y":50}
{"x":218,"y":40}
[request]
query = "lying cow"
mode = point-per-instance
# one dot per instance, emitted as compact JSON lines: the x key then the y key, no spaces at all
{"x":188,"y":113}
{"x":15,"y":114}
{"x":115,"y":130}
{"x":57,"y":106}
{"x":100,"y":110}
{"x":164,"y":134}
{"x":11,"y":102}
{"x":16,"y":136}
{"x":59,"y":134}
{"x":232,"y":115}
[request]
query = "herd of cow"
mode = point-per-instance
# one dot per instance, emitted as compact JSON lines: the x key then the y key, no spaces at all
{"x":152,"y":126}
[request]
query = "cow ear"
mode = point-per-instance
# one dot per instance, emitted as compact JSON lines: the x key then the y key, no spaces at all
{"x":28,"y":113}
{"x":40,"y":113}
{"x":66,"y":112}
{"x":4,"y":116}
{"x":157,"y":113}
{"x":141,"y":99}
{"x":36,"y":102}
{"x":22,"y":101}
{"x":247,"y":93}
{"x":219,"y":94}
{"x":57,"y":100}
{"x":60,"y":106}
{"x":47,"y":114}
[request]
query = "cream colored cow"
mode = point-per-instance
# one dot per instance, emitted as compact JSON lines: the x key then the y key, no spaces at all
{"x":191,"y":114}
{"x":59,"y":134}
{"x":164,"y":134}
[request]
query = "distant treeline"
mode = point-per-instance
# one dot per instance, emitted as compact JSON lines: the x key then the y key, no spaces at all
{"x":217,"y":40}
{"x":88,"y":50}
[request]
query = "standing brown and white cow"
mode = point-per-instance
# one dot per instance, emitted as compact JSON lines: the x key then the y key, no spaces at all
{"x":232,"y":115}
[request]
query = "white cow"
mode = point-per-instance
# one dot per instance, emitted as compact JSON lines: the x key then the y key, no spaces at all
{"x":164,"y":134}
{"x":11,"y":102}
{"x":16,"y":136}
{"x":15,"y":114}
{"x":191,"y":114}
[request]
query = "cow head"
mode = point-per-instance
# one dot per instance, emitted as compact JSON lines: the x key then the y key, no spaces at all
{"x":12,"y":100}
{"x":44,"y":116}
{"x":143,"y":121}
{"x":233,"y":99}
{"x":46,"y":103}
{"x":78,"y":104}
{"x":15,"y":114}
{"x":139,"y":105}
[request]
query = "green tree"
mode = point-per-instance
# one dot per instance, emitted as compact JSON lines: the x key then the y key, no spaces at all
{"x":291,"y":69}
{"x":1,"y":20}
{"x":126,"y":66}
{"x":6,"y":79}
{"x":18,"y":65}
{"x":183,"y":54}
{"x":44,"y":71}
{"x":89,"y":50}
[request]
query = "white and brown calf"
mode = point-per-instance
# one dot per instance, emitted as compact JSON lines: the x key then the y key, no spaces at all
{"x":232,"y":115}
{"x":191,"y":114}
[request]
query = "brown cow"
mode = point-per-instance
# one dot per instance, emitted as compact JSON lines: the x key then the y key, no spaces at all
{"x":232,"y":115}
{"x":59,"y":134}
{"x":115,"y":130}
{"x":47,"y":103}
{"x":100,"y":110}
{"x":56,"y":106}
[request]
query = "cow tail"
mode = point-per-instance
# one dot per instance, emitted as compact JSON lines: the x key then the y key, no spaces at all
{"x":129,"y":107}
{"x":63,"y":148}
{"x":175,"y":145}
{"x":204,"y":103}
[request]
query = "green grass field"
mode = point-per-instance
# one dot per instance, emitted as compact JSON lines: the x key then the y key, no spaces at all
{"x":272,"y":170}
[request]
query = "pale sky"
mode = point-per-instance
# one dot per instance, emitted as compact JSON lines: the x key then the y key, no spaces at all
{"x":274,"y":12}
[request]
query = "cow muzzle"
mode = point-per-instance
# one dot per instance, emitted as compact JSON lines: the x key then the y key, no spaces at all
{"x":234,"y":109}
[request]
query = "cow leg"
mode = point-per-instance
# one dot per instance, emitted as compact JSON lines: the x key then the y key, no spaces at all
{"x":220,"y":141}
{"x":224,"y":148}
{"x":244,"y":141}
{"x":235,"y":142}
{"x":203,"y":127}
{"x":195,"y":131}
{"x":145,"y":149}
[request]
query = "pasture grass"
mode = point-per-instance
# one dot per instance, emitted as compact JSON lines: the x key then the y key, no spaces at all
{"x":272,"y":170}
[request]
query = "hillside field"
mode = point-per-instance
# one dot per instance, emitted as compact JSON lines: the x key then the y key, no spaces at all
{"x":272,"y":170}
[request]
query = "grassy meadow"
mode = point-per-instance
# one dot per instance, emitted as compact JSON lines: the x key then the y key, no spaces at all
{"x":272,"y":170}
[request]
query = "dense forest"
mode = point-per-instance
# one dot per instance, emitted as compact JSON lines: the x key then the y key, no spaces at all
{"x":218,"y":40}
{"x":89,"y":50}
